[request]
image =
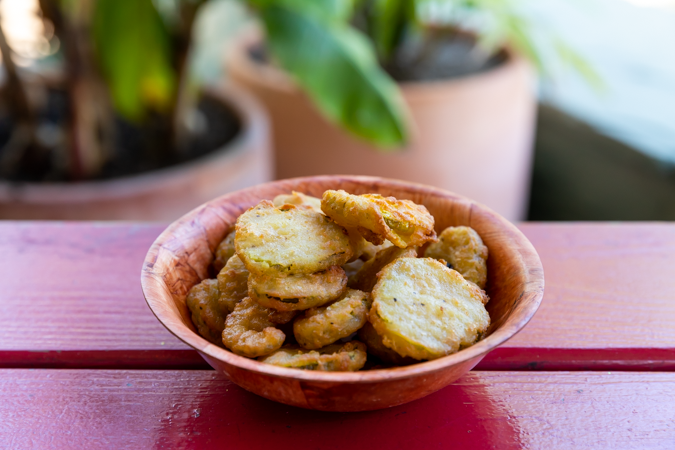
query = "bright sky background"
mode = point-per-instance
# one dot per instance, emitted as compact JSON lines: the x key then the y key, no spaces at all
{"x":653,"y":3}
{"x":24,"y":29}
{"x":633,"y":50}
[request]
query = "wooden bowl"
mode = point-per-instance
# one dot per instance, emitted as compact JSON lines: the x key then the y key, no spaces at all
{"x":180,"y":257}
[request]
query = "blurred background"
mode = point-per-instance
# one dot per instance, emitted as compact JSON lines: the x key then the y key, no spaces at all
{"x":143,"y":109}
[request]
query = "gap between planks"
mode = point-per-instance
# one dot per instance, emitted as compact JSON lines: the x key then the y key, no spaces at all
{"x":501,"y":359}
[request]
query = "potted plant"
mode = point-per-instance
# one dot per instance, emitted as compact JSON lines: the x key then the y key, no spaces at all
{"x":417,"y":91}
{"x":120,"y":132}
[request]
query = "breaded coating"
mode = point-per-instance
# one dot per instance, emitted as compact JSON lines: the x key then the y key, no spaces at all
{"x":334,"y":358}
{"x":224,"y":252}
{"x":425,"y":310}
{"x":323,"y":326}
{"x":298,"y":291}
{"x":250,"y":329}
{"x":289,"y":240}
{"x":232,"y":283}
{"x":463,"y":249}
{"x":366,"y":278}
{"x":207,"y":315}
{"x":377,"y":218}
{"x":298,"y":199}
{"x":373,"y":341}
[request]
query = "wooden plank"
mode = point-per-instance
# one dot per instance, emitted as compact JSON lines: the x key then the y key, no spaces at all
{"x":198,"y":409}
{"x":609,"y":300}
{"x":70,"y":297}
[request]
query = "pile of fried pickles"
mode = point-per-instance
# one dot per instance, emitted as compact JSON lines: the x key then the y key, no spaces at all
{"x":322,"y":284}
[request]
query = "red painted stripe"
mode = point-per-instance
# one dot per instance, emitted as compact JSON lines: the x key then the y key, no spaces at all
{"x":106,"y":359}
{"x":553,"y":359}
{"x":512,"y":359}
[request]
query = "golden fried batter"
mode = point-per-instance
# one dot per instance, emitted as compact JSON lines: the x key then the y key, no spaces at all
{"x":298,"y":291}
{"x":463,"y":250}
{"x":323,"y":326}
{"x":425,"y":310}
{"x":377,"y":218}
{"x":334,"y":358}
{"x":373,"y":341}
{"x":366,"y":278}
{"x":289,"y":240}
{"x":249,"y":329}
{"x":298,"y":199}
{"x":207,"y":315}
{"x":224,"y":252}
{"x":232,"y":283}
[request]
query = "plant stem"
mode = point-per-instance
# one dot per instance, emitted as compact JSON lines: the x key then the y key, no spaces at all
{"x":14,"y":93}
{"x":91,"y":121}
{"x":14,"y":90}
{"x":182,"y":37}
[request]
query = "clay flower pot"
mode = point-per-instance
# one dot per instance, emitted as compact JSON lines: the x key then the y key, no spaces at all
{"x":472,"y":135}
{"x":180,"y":257}
{"x":163,"y":194}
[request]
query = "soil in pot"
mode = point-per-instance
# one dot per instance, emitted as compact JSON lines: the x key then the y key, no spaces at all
{"x":439,"y":54}
{"x":138,"y":148}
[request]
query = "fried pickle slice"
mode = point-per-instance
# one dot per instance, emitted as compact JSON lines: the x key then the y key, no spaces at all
{"x":207,"y":314}
{"x":425,"y":310}
{"x":224,"y":252}
{"x":377,"y":218}
{"x":333,"y":358}
{"x":376,"y":347}
{"x":323,"y":326}
{"x":298,"y":199}
{"x":232,"y":283}
{"x":297,"y":291}
{"x":289,"y":240}
{"x":366,"y":277}
{"x":250,"y":329}
{"x":463,"y":250}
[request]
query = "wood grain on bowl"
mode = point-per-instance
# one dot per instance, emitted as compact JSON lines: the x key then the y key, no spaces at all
{"x":180,"y":256}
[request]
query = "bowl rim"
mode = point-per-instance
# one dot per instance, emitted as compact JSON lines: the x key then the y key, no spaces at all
{"x":523,"y":313}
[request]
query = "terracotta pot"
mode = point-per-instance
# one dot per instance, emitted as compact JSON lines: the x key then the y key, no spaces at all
{"x":164,"y":194}
{"x":472,"y":135}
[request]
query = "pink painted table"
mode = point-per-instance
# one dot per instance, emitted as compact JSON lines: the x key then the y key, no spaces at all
{"x":84,"y":363}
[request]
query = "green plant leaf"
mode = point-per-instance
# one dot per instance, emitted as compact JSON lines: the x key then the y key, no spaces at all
{"x":578,"y":63}
{"x":337,"y":67}
{"x":331,"y":10}
{"x":133,"y":50}
{"x":388,"y":18}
